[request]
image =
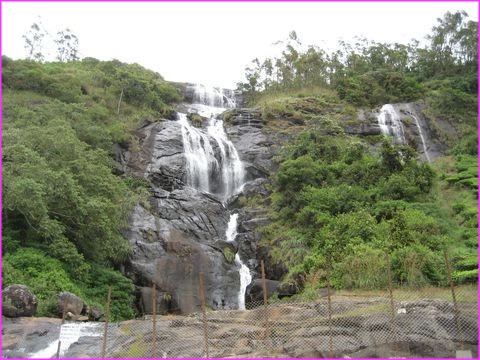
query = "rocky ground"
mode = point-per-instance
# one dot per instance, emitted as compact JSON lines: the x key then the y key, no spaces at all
{"x":359,"y":328}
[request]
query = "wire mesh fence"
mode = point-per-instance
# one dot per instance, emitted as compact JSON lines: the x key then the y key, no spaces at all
{"x":423,"y":322}
{"x":397,"y":322}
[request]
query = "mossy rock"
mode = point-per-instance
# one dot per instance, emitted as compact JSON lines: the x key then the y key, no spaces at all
{"x":229,"y":255}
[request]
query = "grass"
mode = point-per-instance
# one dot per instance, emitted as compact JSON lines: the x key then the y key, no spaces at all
{"x":463,"y":293}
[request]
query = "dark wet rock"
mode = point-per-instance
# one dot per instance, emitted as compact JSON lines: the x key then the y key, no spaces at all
{"x":18,"y":300}
{"x":254,"y":293}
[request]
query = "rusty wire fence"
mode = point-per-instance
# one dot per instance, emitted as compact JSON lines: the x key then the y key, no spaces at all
{"x":416,"y":323}
{"x":396,"y":322}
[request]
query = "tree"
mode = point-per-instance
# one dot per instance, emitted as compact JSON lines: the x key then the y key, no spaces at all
{"x":67,"y":45}
{"x":34,"y":41}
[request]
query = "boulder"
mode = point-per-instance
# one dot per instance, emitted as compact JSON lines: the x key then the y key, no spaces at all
{"x":70,"y":303}
{"x":94,"y":314}
{"x":18,"y":300}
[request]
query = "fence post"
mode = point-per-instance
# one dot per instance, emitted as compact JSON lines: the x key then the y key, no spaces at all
{"x":392,"y":304}
{"x":154,"y":320}
{"x":454,"y":297}
{"x":205,"y":324}
{"x":107,"y":318}
{"x":265,"y":302}
{"x":65,"y":302}
{"x":330,"y":339}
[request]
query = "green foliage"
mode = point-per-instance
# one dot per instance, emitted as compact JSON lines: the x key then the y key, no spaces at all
{"x":45,"y":276}
{"x":123,"y":296}
{"x":378,"y":87}
{"x":61,"y":198}
{"x":335,"y":205}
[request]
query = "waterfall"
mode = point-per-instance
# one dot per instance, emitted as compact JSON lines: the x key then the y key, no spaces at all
{"x":213,"y":163}
{"x":390,"y":124}
{"x":245,"y":276}
{"x":420,"y":132}
{"x":232,"y":167}
{"x":199,"y":155}
{"x":215,"y":97}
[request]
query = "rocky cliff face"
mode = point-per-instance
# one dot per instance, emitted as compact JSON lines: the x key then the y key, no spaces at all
{"x":181,"y":233}
{"x":415,"y":128}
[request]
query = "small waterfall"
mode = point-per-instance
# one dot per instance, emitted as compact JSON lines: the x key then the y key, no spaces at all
{"x":232,"y":167}
{"x":215,"y":97}
{"x":221,"y":171}
{"x":420,"y":131}
{"x":245,"y":276}
{"x":390,"y":124}
{"x":199,"y":155}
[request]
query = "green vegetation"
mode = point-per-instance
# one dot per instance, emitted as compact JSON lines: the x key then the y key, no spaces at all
{"x":64,"y":208}
{"x":368,"y":73}
{"x":339,"y":207}
{"x":336,"y":206}
{"x":349,"y":206}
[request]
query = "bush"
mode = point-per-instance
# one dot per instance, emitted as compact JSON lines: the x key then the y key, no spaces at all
{"x":45,"y":276}
{"x":123,"y":295}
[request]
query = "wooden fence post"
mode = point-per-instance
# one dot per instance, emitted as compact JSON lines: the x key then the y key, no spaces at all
{"x":65,"y":303}
{"x":392,"y":304}
{"x":205,"y":324}
{"x":107,"y":319}
{"x":154,"y":320}
{"x":265,"y":302}
{"x":454,"y":297}
{"x":330,"y":338}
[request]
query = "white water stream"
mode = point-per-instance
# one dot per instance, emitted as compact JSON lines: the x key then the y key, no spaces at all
{"x":420,"y":132}
{"x":390,"y":124}
{"x":213,"y":164}
{"x":245,"y":276}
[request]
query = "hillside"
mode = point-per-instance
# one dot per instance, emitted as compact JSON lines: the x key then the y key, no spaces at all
{"x":114,"y":177}
{"x":65,"y":202}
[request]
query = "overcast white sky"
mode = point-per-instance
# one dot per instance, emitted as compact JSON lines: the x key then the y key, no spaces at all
{"x":211,"y":42}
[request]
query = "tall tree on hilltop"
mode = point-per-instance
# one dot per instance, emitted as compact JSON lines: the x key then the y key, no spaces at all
{"x":34,"y":41}
{"x":67,"y":45}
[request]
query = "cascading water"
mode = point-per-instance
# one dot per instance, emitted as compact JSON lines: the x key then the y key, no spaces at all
{"x":420,"y":132}
{"x":390,"y":124}
{"x":199,"y":154}
{"x":211,"y":96}
{"x":213,"y":163}
{"x":219,"y":171}
{"x":245,"y":276}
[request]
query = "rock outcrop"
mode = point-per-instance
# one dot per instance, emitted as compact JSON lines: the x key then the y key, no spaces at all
{"x":18,"y":300}
{"x":174,"y":237}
